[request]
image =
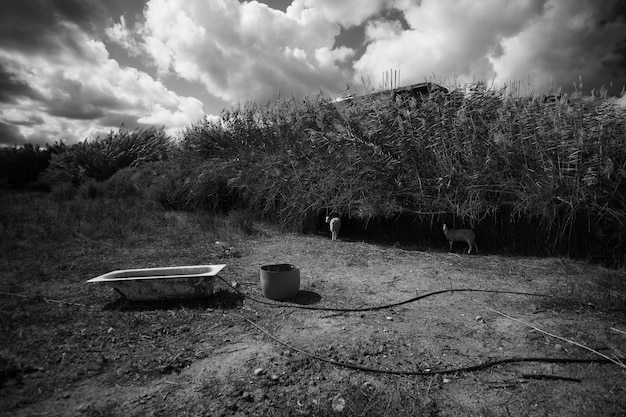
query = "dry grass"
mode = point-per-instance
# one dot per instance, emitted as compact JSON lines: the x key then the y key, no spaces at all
{"x":66,"y":336}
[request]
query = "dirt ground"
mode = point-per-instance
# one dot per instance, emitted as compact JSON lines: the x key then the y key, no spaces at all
{"x":73,"y":348}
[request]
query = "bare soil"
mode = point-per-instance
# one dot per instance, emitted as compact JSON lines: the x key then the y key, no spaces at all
{"x":68,"y":348}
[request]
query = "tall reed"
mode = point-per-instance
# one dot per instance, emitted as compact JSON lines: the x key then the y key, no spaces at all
{"x":481,"y":156}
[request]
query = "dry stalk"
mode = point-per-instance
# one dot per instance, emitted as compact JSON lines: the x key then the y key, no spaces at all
{"x":617,"y":362}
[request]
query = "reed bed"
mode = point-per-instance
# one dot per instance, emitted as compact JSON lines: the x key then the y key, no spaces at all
{"x":539,"y":174}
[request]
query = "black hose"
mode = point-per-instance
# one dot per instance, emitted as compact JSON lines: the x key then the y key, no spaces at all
{"x":469,"y":368}
{"x":381,"y":307}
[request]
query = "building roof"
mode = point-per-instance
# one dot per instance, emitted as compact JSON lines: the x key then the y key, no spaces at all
{"x":410,"y":91}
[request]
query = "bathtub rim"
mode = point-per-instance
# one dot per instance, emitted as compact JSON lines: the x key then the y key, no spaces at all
{"x":110,"y":276}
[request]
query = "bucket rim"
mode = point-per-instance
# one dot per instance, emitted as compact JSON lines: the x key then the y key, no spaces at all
{"x":283,"y":267}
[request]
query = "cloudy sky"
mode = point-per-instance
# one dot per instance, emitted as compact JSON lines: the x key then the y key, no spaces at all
{"x":75,"y":69}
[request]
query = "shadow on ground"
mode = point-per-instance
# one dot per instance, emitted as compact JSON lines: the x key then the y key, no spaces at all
{"x":224,"y":300}
{"x":305,"y":298}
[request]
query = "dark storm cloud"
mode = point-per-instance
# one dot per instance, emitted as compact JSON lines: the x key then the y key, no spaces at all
{"x":75,"y":99}
{"x":70,"y":100}
{"x":30,"y":121}
{"x":12,"y":87}
{"x":38,"y":28}
{"x":616,"y":63}
{"x":615,"y":10}
{"x":10,"y":135}
{"x":28,"y":25}
{"x":591,"y":44}
{"x":71,"y":110}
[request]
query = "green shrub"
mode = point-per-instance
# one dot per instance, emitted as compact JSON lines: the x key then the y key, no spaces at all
{"x":103,"y":157}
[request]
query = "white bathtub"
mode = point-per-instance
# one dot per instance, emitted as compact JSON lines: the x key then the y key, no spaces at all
{"x":175,"y":282}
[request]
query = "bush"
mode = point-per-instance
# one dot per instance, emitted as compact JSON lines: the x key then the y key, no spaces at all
{"x":22,"y":165}
{"x":103,"y":157}
{"x":92,"y":190}
{"x":125,"y":183}
{"x":64,"y":191}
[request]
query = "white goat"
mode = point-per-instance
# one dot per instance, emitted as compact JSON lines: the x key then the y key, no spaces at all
{"x":335,"y":225}
{"x":461,"y":235}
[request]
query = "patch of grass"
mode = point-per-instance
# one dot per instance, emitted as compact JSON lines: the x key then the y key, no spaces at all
{"x":231,"y":227}
{"x":92,"y":190}
{"x":63,"y":191}
{"x":33,"y":217}
{"x":44,"y":238}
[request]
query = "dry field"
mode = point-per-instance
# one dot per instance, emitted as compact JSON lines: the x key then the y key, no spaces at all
{"x":68,"y":348}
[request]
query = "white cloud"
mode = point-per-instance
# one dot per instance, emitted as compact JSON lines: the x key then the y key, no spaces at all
{"x":549,"y":42}
{"x":188,"y":111}
{"x":569,"y":42}
{"x":121,"y":34}
{"x":382,"y":29}
{"x":328,"y":57}
{"x":345,"y":12}
{"x":79,"y":92}
{"x":445,"y":38}
{"x":245,"y":51}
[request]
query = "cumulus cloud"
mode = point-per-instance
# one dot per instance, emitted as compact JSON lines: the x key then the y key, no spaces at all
{"x":56,"y":90}
{"x":241,"y":51}
{"x":187,"y":111}
{"x":572,"y":40}
{"x":549,"y":42}
{"x":380,"y":29}
{"x":448,"y":39}
{"x":347,"y":13}
{"x":119,"y":33}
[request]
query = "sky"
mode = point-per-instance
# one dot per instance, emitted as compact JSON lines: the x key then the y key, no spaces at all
{"x":74,"y":70}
